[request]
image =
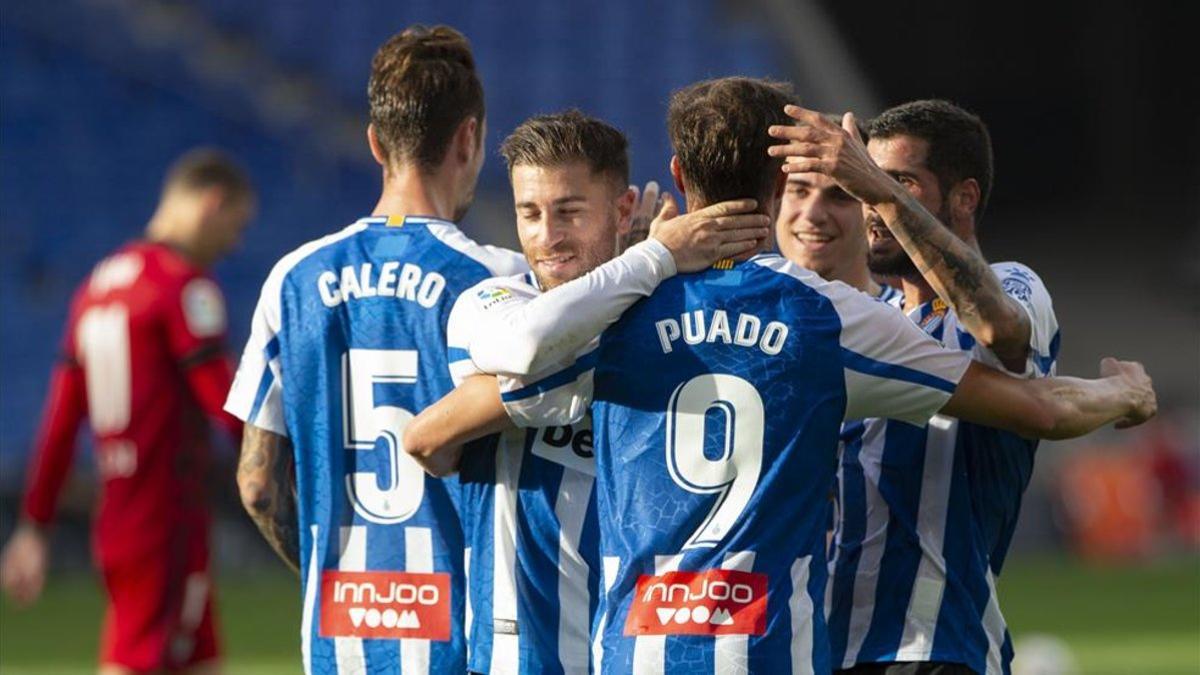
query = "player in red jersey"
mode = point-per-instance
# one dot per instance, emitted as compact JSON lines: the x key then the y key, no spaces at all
{"x":143,"y":360}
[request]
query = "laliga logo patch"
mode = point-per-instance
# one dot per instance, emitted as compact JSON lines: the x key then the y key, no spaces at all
{"x":494,"y":296}
{"x":713,"y":602}
{"x":203,"y":308}
{"x":390,"y":605}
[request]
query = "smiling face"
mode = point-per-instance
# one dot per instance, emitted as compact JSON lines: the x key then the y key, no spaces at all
{"x":903,"y":158}
{"x":568,"y":219}
{"x":820,"y":226}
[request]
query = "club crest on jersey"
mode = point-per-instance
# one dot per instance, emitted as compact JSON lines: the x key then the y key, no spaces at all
{"x":389,"y":605}
{"x":937,"y":312}
{"x":1016,"y":286}
{"x":713,"y":602}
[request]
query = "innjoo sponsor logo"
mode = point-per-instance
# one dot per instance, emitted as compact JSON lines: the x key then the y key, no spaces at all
{"x":385,"y":605}
{"x":712,"y":602}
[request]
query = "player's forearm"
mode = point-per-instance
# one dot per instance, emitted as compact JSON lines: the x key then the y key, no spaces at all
{"x":960,"y":276}
{"x":54,"y":451}
{"x":266,"y":480}
{"x":561,"y":322}
{"x":434,"y":439}
{"x":1081,"y":406}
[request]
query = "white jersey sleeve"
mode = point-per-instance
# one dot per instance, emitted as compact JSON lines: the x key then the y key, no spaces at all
{"x":531,"y":400}
{"x":256,"y":396}
{"x":467,"y":330}
{"x":523,"y":339}
{"x":892,"y":368}
{"x":557,"y":396}
{"x":1021,"y":284}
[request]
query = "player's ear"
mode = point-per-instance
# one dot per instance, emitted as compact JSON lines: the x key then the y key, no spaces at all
{"x":625,"y":209}
{"x":677,"y":174}
{"x":210,"y":201}
{"x":965,"y":198}
{"x":467,"y":140}
{"x":377,"y":150}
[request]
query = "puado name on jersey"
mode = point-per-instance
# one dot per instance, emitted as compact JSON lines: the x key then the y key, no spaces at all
{"x":407,"y":282}
{"x":713,"y":326}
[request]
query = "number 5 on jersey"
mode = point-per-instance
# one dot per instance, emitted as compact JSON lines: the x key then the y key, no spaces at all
{"x":365,"y":424}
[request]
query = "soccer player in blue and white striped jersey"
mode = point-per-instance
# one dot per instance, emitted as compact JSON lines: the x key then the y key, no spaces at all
{"x":927,"y":512}
{"x":528,"y":503}
{"x":712,"y":510}
{"x":347,"y":345}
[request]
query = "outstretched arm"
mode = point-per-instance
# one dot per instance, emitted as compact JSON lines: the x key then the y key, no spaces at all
{"x":1055,"y":407}
{"x":436,"y":436}
{"x":266,"y":479}
{"x":955,"y":270}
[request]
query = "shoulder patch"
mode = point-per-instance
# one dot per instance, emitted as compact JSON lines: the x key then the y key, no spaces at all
{"x":203,"y":308}
{"x":491,"y":296}
{"x":1017,"y":286}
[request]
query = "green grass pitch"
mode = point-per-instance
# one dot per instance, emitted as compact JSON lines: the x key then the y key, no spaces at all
{"x":1116,"y":620}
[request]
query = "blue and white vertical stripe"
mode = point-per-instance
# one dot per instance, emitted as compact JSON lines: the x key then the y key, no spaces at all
{"x":926,"y":516}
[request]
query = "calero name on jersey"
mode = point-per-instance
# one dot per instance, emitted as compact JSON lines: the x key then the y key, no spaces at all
{"x":713,"y":602}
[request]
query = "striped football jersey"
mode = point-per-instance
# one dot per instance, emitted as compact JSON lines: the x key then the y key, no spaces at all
{"x":347,"y":345}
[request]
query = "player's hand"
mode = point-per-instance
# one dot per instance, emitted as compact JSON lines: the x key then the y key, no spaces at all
{"x":23,"y":564}
{"x":646,"y":203}
{"x":698,"y":239}
{"x":816,"y":145}
{"x":1138,"y":386}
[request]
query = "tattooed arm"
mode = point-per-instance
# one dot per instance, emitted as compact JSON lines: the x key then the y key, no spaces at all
{"x":955,"y":270}
{"x":959,"y":275}
{"x":267,"y":482}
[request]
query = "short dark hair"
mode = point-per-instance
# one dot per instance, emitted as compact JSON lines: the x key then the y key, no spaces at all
{"x":569,"y":136}
{"x":959,"y":144}
{"x":718,"y":129}
{"x":423,"y":85}
{"x":203,"y":168}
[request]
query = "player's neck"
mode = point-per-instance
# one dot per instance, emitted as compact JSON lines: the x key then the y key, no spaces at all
{"x":162,"y":231}
{"x":409,"y":192}
{"x":916,"y":292}
{"x":859,"y":277}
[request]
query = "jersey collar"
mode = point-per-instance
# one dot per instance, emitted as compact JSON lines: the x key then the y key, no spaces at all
{"x":402,"y":221}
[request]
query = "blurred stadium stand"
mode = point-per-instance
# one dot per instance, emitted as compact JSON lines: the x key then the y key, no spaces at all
{"x":99,"y":96}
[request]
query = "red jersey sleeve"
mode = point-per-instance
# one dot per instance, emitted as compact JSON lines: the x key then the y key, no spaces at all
{"x":195,"y":326}
{"x":54,"y":451}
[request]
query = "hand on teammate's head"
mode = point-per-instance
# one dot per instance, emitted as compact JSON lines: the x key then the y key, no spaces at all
{"x":646,"y":203}
{"x":816,"y":145}
{"x":700,"y":238}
